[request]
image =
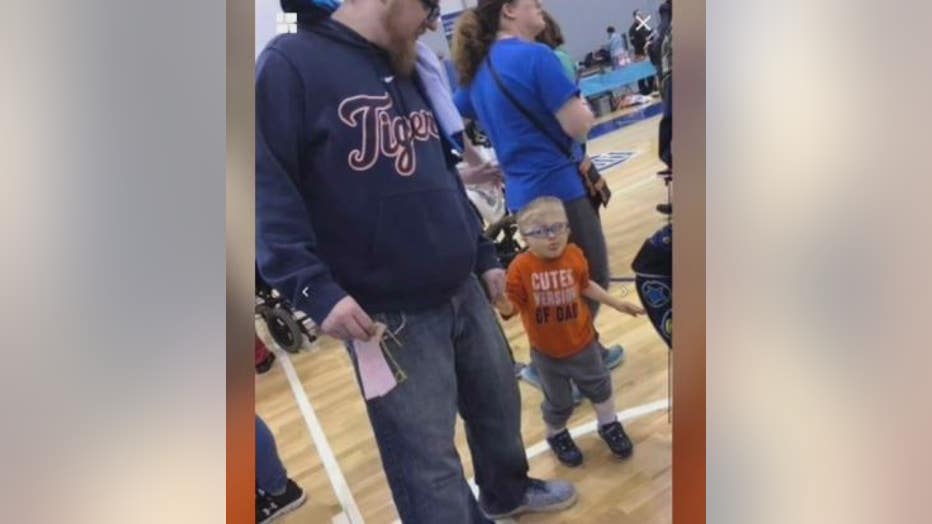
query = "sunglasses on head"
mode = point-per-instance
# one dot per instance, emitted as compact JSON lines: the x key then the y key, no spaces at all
{"x":433,"y":9}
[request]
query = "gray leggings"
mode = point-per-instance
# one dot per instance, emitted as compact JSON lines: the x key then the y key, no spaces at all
{"x":585,"y":368}
{"x":586,"y":232}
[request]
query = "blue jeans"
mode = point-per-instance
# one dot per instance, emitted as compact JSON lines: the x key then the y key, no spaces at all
{"x":456,"y":360}
{"x":270,"y":474}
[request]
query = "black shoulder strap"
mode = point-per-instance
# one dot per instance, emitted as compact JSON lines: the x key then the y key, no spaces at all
{"x":566,"y":150}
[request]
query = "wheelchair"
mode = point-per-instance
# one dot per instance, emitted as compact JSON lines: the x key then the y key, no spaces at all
{"x":287,"y":328}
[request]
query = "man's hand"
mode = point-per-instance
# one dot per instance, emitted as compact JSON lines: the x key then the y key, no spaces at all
{"x":347,"y":321}
{"x":495,"y":284}
{"x":481,"y":174}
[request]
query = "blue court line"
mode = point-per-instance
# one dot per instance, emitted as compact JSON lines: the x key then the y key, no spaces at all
{"x":624,"y":121}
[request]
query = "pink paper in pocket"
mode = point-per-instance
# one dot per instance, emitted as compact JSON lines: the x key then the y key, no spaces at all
{"x":376,"y":376}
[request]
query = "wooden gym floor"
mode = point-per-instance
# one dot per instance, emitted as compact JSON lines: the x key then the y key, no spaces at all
{"x":610,"y":491}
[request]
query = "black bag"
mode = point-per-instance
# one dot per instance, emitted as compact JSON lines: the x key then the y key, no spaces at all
{"x":653,"y":269}
{"x":596,"y":187}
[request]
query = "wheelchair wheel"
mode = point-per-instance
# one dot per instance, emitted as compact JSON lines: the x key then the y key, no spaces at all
{"x":284,"y":329}
{"x":263,"y":310}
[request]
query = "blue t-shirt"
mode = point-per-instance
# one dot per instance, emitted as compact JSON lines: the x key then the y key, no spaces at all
{"x":533,"y":165}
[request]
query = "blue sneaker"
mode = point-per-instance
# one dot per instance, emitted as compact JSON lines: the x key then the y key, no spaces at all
{"x":541,"y":496}
{"x":519,"y":366}
{"x":530,"y":375}
{"x":613,"y":356}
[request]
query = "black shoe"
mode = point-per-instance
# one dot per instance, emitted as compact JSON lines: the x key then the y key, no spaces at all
{"x":565,"y":449}
{"x":269,"y":507}
{"x":614,"y":435}
{"x":666,"y":209}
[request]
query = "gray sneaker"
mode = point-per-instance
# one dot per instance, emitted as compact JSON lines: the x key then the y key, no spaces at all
{"x":541,"y":496}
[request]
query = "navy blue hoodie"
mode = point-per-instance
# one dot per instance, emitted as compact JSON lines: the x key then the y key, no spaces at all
{"x":355,"y":193}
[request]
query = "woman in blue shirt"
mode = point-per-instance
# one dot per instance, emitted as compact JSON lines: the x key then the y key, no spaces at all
{"x":502,"y":32}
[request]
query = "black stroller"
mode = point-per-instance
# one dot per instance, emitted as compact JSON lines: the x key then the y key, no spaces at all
{"x":503,"y":234}
{"x":287,"y":329}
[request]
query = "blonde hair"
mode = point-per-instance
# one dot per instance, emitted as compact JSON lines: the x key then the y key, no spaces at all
{"x":537,"y":207}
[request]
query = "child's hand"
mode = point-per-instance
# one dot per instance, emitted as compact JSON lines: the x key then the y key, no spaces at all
{"x":504,"y":306}
{"x":629,"y":308}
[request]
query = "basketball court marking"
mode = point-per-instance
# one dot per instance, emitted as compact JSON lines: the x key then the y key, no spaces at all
{"x":351,"y":514}
{"x":606,"y":161}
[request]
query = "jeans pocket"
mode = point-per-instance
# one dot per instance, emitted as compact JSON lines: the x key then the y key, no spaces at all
{"x":395,"y":324}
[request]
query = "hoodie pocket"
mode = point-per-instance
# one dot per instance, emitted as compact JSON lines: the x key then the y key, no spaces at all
{"x":423,"y":240}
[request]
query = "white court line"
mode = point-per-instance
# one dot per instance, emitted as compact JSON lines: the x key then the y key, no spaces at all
{"x":540,"y":447}
{"x":351,"y":514}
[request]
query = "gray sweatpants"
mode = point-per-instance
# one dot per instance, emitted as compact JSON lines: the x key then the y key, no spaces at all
{"x":584,"y":368}
{"x":586,"y":232}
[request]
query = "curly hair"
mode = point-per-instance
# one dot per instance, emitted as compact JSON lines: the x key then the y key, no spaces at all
{"x":474,"y":35}
{"x":552,"y":35}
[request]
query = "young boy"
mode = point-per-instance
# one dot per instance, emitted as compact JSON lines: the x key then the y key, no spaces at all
{"x":546,"y":285}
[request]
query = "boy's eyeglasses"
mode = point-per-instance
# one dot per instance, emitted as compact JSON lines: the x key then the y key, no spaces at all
{"x":432,"y":8}
{"x":546,"y":231}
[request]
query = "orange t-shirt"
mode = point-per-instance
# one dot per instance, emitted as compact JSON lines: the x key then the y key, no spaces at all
{"x":548,"y":294}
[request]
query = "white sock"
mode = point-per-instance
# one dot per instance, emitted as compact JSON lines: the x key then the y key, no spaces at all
{"x":605,"y":411}
{"x":551,"y":431}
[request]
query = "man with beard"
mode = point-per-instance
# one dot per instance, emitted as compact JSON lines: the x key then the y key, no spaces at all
{"x":363,"y":223}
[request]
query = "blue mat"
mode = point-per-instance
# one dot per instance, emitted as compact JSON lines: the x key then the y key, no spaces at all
{"x":608,"y":82}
